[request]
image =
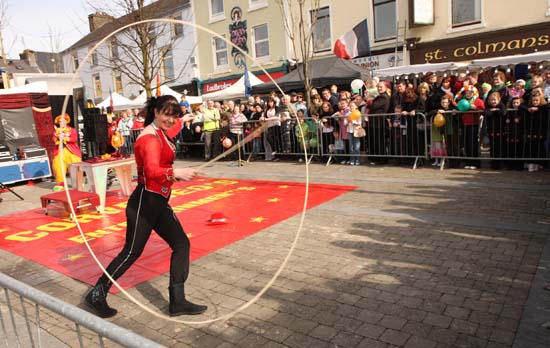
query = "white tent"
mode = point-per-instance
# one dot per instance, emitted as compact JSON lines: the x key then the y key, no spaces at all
{"x":118,"y":100}
{"x":34,"y":87}
{"x":234,"y":91}
{"x":165,"y":90}
{"x":512,"y":60}
{"x":419,"y":69}
{"x":56,"y":84}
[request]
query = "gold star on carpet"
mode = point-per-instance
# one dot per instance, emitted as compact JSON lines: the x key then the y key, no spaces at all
{"x":3,"y":230}
{"x":258,"y":219}
{"x":74,"y":257}
{"x":273,"y":200}
{"x":284,"y":186}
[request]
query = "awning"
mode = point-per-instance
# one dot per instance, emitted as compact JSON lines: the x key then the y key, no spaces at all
{"x":419,"y":69}
{"x":324,"y":72}
{"x":512,"y":60}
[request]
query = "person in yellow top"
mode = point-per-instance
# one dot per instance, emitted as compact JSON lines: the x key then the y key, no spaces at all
{"x":211,"y":128}
{"x":67,"y":137}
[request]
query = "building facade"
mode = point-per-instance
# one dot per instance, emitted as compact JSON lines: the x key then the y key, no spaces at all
{"x":255,"y":26}
{"x":400,"y":32}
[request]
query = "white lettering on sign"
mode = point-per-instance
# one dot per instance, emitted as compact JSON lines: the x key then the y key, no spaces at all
{"x":217,"y":86}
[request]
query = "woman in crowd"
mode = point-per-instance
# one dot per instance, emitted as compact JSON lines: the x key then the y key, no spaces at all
{"x":536,"y":120}
{"x":493,"y":124}
{"x":273,"y":131}
{"x":422,"y":107}
{"x":328,"y":123}
{"x":470,"y":123}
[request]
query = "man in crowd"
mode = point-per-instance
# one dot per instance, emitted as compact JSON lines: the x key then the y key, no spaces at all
{"x":211,"y":127}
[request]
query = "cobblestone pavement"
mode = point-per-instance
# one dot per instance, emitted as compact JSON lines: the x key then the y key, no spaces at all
{"x":411,"y":258}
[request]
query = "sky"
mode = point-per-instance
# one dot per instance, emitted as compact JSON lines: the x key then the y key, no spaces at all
{"x":30,"y":22}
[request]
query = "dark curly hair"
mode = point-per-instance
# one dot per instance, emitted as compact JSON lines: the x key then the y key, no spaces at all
{"x":165,"y":104}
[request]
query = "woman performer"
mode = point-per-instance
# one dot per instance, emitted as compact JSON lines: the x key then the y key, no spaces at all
{"x":67,"y":136}
{"x":148,"y":209}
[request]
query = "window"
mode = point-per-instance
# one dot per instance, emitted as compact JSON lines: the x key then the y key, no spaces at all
{"x":220,"y":48}
{"x":384,"y":19}
{"x":75,"y":62}
{"x":167,"y":66}
{"x":117,"y":77}
{"x":177,"y":28}
{"x":256,"y":4}
{"x":94,"y":58}
{"x":261,"y":41}
{"x":466,"y":12}
{"x":321,"y":30}
{"x":97,"y":86}
{"x":114,"y":49}
{"x":216,"y":8}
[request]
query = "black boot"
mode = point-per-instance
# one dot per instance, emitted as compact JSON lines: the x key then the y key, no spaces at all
{"x":97,"y":300}
{"x":179,"y":305}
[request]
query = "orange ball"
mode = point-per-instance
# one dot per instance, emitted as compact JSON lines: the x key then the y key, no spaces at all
{"x":227,"y":143}
{"x":439,"y":120}
{"x":355,"y":115}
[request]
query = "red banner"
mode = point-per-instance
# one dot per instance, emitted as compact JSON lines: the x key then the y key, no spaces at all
{"x":248,"y":207}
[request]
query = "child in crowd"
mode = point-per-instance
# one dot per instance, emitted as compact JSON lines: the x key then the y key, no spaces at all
{"x":302,"y":133}
{"x":398,"y":132}
{"x":518,"y":89}
{"x":338,"y":147}
{"x":371,"y":91}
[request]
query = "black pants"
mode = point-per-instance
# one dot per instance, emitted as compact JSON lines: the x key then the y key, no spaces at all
{"x":147,"y":211}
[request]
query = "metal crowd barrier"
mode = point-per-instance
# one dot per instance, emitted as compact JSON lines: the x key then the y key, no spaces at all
{"x":469,"y":137}
{"x":500,"y":136}
{"x":22,"y":329}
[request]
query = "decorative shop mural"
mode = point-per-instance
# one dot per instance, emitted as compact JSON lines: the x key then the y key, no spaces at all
{"x":238,"y":36}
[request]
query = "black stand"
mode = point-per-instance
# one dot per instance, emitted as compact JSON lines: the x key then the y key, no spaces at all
{"x":4,"y":187}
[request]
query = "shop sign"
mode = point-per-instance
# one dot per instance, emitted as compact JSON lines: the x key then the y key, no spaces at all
{"x":519,"y":40}
{"x":380,"y":61}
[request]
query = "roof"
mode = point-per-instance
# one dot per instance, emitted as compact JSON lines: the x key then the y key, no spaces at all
{"x":49,"y":62}
{"x":324,"y":72}
{"x":156,"y":9}
{"x":20,"y":66}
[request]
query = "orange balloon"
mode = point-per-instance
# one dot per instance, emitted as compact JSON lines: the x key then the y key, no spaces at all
{"x":439,"y":120}
{"x":355,"y":115}
{"x":227,"y":143}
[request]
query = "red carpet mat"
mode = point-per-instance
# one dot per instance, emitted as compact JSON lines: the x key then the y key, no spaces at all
{"x":248,"y":206}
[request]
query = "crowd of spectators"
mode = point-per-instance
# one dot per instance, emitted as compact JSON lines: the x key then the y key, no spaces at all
{"x":508,"y":118}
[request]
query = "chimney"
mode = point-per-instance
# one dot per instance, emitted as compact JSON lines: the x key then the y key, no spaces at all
{"x":29,"y":56}
{"x":98,"y":19}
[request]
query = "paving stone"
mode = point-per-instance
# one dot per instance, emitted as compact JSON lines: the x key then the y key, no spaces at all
{"x":392,"y":322}
{"x":323,"y":332}
{"x":394,"y":337}
{"x":438,"y":320}
{"x":370,"y":330}
{"x":419,"y":342}
{"x":502,"y":336}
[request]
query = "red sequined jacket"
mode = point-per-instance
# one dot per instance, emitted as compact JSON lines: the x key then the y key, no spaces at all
{"x":154,"y":158}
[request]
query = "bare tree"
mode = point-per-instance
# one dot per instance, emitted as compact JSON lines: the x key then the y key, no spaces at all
{"x":299,"y":20}
{"x":135,"y":52}
{"x":55,"y":48}
{"x":4,"y":21}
